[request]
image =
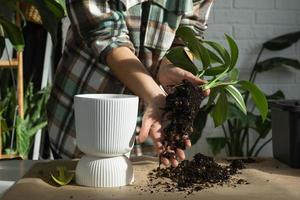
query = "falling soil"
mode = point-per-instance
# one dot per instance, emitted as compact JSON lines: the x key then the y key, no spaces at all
{"x":182,"y":106}
{"x":197,"y":174}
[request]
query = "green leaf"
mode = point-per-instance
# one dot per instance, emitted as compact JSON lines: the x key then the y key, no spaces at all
{"x":282,"y":42}
{"x":214,"y":58}
{"x":219,"y":112}
{"x":199,"y":124}
{"x":221,"y":51}
{"x":263,"y":128}
{"x":13,"y":33}
{"x":63,"y":178}
{"x":2,"y":45}
{"x":216,"y":144}
{"x":258,"y":97}
{"x":276,"y":96}
{"x":194,"y":44}
{"x":234,"y":74}
{"x":214,"y":71}
{"x":277,"y":62}
{"x":179,"y":58}
{"x":243,"y":120}
{"x":236,"y":95}
{"x":25,"y":130}
{"x":11,"y":6}
{"x":212,"y":96}
{"x":234,"y":51}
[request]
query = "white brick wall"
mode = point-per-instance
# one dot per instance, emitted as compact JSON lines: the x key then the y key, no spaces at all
{"x":251,"y":22}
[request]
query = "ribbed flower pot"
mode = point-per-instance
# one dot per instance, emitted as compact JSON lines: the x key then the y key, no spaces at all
{"x":105,"y":125}
{"x":104,"y":172}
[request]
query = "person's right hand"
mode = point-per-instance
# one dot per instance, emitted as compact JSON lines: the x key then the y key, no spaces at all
{"x":152,"y":125}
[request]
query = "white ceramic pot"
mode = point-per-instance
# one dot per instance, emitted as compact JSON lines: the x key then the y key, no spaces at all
{"x":104,"y":172}
{"x":105,"y":123}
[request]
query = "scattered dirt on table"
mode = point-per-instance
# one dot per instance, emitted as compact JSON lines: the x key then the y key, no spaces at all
{"x":182,"y":106}
{"x":200,"y":173}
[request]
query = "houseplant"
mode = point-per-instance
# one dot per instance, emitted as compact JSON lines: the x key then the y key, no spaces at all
{"x":210,"y":61}
{"x":17,"y":133}
{"x":51,"y":12}
{"x":238,"y":127}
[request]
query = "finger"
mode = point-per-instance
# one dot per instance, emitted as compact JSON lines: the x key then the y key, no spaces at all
{"x":194,"y":79}
{"x":206,"y":92}
{"x":144,"y":132}
{"x":155,"y":134}
{"x":180,"y":154}
{"x":174,"y":162}
{"x":188,"y":143}
{"x":165,"y":161}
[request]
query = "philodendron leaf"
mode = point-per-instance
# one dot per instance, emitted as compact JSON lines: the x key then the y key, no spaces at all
{"x":63,"y":178}
{"x":238,"y":98}
{"x":234,"y":51}
{"x":179,"y":58}
{"x":195,"y":45}
{"x":258,"y":97}
{"x":276,"y":96}
{"x":199,"y":124}
{"x":221,"y":51}
{"x":216,"y":144}
{"x":282,"y":42}
{"x":277,"y":62}
{"x":262,"y":127}
{"x":214,"y":71}
{"x":234,"y":74}
{"x":244,"y":120}
{"x":13,"y":33}
{"x":212,"y":96}
{"x":214,"y":58}
{"x":219,"y":112}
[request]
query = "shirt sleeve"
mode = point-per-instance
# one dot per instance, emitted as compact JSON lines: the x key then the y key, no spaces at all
{"x":101,"y":25}
{"x":197,"y":20}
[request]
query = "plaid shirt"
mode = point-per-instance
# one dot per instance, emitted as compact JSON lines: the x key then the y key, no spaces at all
{"x":97,"y":26}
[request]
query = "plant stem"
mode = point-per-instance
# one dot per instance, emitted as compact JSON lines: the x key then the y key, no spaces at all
{"x":226,"y":136}
{"x":231,"y":134}
{"x":254,"y":146}
{"x":245,"y":133}
{"x":262,"y":146}
{"x":212,"y":82}
{"x":247,"y":144}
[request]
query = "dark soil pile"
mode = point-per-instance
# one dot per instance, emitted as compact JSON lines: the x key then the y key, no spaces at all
{"x":200,"y":173}
{"x":182,"y":106}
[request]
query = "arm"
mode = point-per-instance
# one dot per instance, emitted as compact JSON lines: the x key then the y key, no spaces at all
{"x":169,"y":74}
{"x":104,"y":30}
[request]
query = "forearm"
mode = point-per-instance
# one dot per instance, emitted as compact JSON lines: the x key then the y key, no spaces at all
{"x":132,"y":73}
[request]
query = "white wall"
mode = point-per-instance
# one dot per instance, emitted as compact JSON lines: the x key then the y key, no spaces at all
{"x":251,"y":22}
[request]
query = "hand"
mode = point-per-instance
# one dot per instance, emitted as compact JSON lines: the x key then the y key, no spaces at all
{"x":168,"y":75}
{"x":152,"y":125}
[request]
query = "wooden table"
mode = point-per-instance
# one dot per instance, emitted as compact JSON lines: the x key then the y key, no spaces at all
{"x":269,"y":179}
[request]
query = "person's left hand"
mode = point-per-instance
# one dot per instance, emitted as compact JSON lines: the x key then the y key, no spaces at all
{"x":170,"y":75}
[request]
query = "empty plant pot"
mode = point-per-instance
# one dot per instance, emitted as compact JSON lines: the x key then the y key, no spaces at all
{"x":104,"y":172}
{"x":105,"y":123}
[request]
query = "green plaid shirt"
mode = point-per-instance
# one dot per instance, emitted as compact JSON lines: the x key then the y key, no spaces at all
{"x":97,"y":26}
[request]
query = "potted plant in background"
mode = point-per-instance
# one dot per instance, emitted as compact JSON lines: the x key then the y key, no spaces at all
{"x":51,"y":12}
{"x":238,"y":126}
